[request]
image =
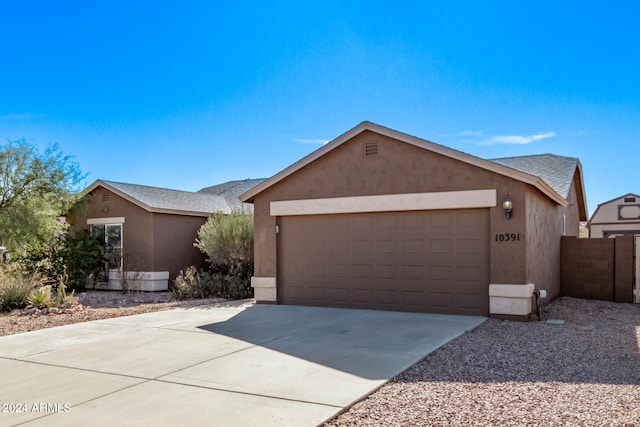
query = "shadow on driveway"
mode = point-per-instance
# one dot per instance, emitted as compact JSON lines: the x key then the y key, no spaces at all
{"x":368,"y":343}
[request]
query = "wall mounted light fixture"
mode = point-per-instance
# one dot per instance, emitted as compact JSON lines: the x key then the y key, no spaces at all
{"x":507,"y":205}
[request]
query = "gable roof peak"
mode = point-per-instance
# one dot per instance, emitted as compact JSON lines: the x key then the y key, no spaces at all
{"x":508,"y":166}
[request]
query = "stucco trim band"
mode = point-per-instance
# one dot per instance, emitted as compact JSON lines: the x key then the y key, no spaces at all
{"x":387,"y":203}
{"x":264,"y":289}
{"x":108,"y":220}
{"x":514,"y":299}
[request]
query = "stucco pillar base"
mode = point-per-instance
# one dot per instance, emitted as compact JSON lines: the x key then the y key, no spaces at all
{"x":511,"y":299}
{"x":264,"y":289}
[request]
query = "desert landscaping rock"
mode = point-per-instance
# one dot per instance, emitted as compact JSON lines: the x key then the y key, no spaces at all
{"x":504,"y":373}
{"x":93,"y":305}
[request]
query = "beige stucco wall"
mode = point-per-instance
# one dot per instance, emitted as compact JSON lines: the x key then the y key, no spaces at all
{"x":398,"y":168}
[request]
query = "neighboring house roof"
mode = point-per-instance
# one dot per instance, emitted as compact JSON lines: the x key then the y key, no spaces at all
{"x":230,"y":190}
{"x":550,"y":180}
{"x":164,"y":200}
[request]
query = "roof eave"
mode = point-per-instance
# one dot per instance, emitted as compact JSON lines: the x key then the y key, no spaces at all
{"x":183,"y":213}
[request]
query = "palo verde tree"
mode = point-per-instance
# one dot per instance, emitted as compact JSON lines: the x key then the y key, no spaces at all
{"x":36,"y":188}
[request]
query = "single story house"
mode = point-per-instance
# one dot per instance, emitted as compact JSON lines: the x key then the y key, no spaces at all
{"x":617,"y":217}
{"x":379,"y":219}
{"x":149,"y":232}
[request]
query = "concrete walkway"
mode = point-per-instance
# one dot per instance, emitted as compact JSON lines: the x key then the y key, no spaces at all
{"x":240,"y":365}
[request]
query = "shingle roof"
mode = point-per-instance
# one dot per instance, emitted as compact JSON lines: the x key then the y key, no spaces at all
{"x":557,"y":171}
{"x":165,"y":200}
{"x":230,"y":190}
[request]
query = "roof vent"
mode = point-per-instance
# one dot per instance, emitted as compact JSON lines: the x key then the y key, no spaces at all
{"x":106,"y":197}
{"x":370,"y":149}
{"x":629,"y":199}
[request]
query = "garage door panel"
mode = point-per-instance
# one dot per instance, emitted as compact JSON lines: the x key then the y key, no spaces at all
{"x":440,"y":300}
{"x":412,"y":299}
{"x":387,"y":272}
{"x":413,"y":247}
{"x":440,"y":220}
{"x":413,"y":273}
{"x":362,"y":247}
{"x":363,"y":296}
{"x":419,"y":261}
{"x":386,"y":221}
{"x":316,"y":248}
{"x":316,"y":271}
{"x":467,"y":273}
{"x":316,"y":293}
{"x":362,"y":271}
{"x":339,"y":271}
{"x":441,"y":272}
{"x":338,"y":247}
{"x":386,"y":247}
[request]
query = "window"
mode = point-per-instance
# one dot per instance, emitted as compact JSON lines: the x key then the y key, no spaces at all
{"x":111,"y":237}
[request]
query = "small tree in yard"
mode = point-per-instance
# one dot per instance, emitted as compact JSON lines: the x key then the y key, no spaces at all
{"x":35,"y":189}
{"x":228,"y":242}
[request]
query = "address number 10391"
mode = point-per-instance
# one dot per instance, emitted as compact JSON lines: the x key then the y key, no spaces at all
{"x":508,"y":237}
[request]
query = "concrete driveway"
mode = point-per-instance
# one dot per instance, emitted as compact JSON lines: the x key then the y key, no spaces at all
{"x":236,"y":365}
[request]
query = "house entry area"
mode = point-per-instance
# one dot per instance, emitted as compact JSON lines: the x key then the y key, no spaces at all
{"x":423,"y":261}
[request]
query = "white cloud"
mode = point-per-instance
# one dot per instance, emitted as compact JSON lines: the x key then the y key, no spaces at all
{"x":470,"y":133}
{"x":515,"y":139}
{"x":311,"y":141}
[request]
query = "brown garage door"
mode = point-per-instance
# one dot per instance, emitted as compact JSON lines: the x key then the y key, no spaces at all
{"x":427,"y":261}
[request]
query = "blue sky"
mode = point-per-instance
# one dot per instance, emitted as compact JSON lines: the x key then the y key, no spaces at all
{"x":193,"y":93}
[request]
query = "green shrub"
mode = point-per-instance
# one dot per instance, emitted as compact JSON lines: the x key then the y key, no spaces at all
{"x":71,"y":257}
{"x":15,"y":288}
{"x":228,"y":242}
{"x":44,"y":258}
{"x":192,"y":283}
{"x":234,"y":287}
{"x":41,"y":297}
{"x":83,"y":255}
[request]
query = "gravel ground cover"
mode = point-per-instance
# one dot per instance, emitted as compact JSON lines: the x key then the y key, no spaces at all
{"x":95,"y":305}
{"x":505,"y":373}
